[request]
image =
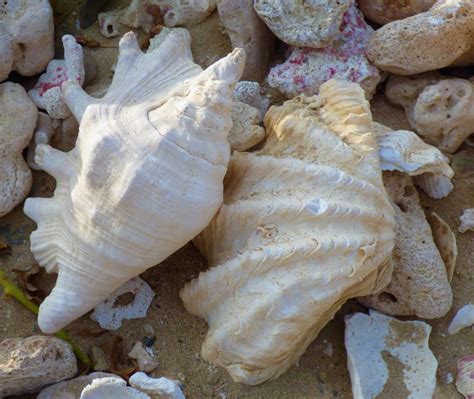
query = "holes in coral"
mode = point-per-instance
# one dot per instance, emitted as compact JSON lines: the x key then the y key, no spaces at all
{"x":124,"y":299}
{"x":402,"y":207}
{"x":387,"y":297}
{"x":408,"y":191}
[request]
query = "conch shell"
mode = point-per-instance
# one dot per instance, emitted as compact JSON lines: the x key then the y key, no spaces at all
{"x":144,"y":178}
{"x":305,"y":225}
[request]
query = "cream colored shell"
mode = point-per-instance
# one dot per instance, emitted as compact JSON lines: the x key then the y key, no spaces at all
{"x":144,"y":178}
{"x":305,"y":225}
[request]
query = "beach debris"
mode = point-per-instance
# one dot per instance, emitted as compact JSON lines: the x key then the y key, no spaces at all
{"x":29,"y":364}
{"x":119,"y":234}
{"x":345,"y":58}
{"x":467,"y":220}
{"x":253,"y":36}
{"x":109,"y":314}
{"x":18,"y":117}
{"x":26,"y":37}
{"x":157,"y":388}
{"x":424,"y":42}
{"x":145,"y":357}
{"x":47,"y":94}
{"x":72,"y":389}
{"x":389,"y":358}
{"x":464,"y":318}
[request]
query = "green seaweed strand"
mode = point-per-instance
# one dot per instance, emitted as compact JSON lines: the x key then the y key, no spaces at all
{"x":12,"y":290}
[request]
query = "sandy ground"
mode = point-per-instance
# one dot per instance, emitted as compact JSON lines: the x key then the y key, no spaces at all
{"x":319,"y":373}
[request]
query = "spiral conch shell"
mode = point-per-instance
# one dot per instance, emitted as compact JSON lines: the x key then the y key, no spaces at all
{"x":305,"y":225}
{"x":145,"y":177}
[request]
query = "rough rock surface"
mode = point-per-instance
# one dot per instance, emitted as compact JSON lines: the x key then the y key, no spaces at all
{"x":26,"y":37}
{"x":251,"y":93}
{"x":384,"y":353}
{"x":72,"y":389}
{"x":345,"y":58}
{"x":424,"y":42}
{"x":385,"y":11}
{"x":303,"y":23}
{"x":28,"y":364}
{"x":18,"y":117}
{"x":419,"y":284}
{"x":111,"y":388}
{"x":245,"y":132}
{"x":253,"y":36}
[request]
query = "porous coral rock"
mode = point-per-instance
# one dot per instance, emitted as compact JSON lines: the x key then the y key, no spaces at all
{"x":72,"y":389}
{"x":47,"y":92}
{"x":44,"y":131}
{"x":345,"y":58}
{"x":18,"y":117}
{"x":156,"y":388}
{"x":303,"y":23}
{"x":467,"y":220}
{"x":385,"y":11}
{"x":111,"y":388}
{"x":108,"y":24}
{"x":251,"y":93}
{"x":440,"y":109}
{"x":26,"y":36}
{"x":419,"y":284}
{"x":465,"y":376}
{"x":245,"y":132}
{"x":246,"y":30}
{"x":28,"y":364}
{"x":389,"y":358}
{"x":431,"y":40}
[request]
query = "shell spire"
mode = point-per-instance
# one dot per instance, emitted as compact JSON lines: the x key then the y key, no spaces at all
{"x":306,"y":224}
{"x":145,"y":177}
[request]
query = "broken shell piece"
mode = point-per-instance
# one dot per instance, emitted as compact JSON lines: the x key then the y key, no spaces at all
{"x":72,"y":389}
{"x":108,"y":24}
{"x":145,"y":357}
{"x":250,"y":93}
{"x":424,"y":42}
{"x":419,"y":284}
{"x":467,"y":221}
{"x":18,"y":117}
{"x":390,"y":356}
{"x":385,"y":11}
{"x":26,"y":37}
{"x":157,"y":388}
{"x":345,"y":58}
{"x":439,"y":109}
{"x":253,"y":36}
{"x":306,"y":224}
{"x":445,"y":241}
{"x":43,"y":133}
{"x":47,"y":92}
{"x":29,"y":364}
{"x":404,"y":151}
{"x":464,"y":318}
{"x":301,"y":23}
{"x":111,"y":388}
{"x":109,"y":315}
{"x":465,"y":376}
{"x":245,"y":132}
{"x":106,"y":229}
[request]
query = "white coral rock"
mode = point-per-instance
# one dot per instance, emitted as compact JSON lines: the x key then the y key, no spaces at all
{"x":464,"y":318}
{"x":373,"y":340}
{"x":111,"y":388}
{"x":245,"y":132}
{"x":29,"y":364}
{"x":467,"y":220}
{"x":26,"y":36}
{"x":18,"y":117}
{"x":156,"y":388}
{"x":44,"y":131}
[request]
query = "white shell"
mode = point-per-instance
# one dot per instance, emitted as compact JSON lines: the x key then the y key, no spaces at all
{"x":467,"y":220}
{"x":26,"y":36}
{"x":305,"y":225}
{"x":144,"y":178}
{"x":18,"y":117}
{"x":157,"y":388}
{"x":384,"y":351}
{"x":464,"y":318}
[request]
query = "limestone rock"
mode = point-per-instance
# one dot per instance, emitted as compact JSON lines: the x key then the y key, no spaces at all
{"x":28,"y":364}
{"x":467,"y":221}
{"x":245,"y":132}
{"x":251,"y":93}
{"x":111,"y":388}
{"x":385,"y":11}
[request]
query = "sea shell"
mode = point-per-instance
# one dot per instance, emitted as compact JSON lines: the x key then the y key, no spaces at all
{"x":144,"y":178}
{"x":438,"y":108}
{"x":420,"y":284}
{"x":18,"y":116}
{"x":306,"y":224}
{"x":26,"y":36}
